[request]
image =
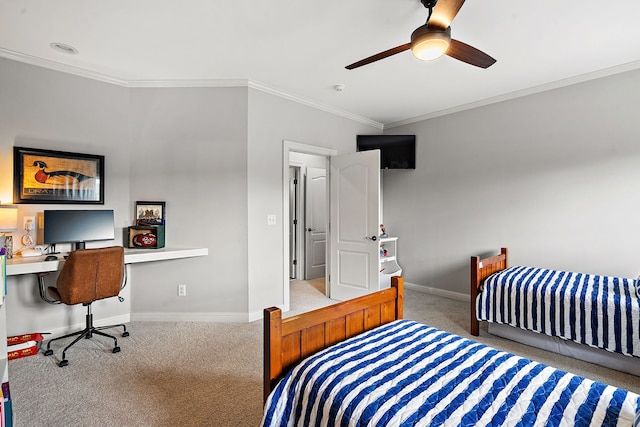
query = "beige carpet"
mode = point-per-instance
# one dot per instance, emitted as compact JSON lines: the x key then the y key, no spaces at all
{"x":202,"y":374}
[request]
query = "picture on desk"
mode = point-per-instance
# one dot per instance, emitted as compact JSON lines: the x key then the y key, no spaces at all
{"x":47,"y":176}
{"x":150,"y":213}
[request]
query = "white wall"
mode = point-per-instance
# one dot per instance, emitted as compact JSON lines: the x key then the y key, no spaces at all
{"x":50,"y":110}
{"x":214,"y":155}
{"x":271,"y":121}
{"x":308,"y":160}
{"x":189,"y":148}
{"x":553,"y":176}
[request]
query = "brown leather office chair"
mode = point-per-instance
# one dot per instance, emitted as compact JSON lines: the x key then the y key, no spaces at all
{"x":88,"y":275}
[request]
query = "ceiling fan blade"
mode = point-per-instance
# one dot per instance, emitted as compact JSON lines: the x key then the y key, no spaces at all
{"x":443,"y":13}
{"x":379,"y":56}
{"x":469,"y":54}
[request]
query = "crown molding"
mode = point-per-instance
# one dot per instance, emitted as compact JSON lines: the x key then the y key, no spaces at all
{"x":81,"y":72}
{"x":187,"y":83}
{"x":57,"y":66}
{"x":77,"y":71}
{"x":520,"y":93}
{"x":318,"y":106}
{"x":253,"y":85}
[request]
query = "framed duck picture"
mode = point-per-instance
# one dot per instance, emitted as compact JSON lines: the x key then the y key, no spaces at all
{"x":48,"y":176}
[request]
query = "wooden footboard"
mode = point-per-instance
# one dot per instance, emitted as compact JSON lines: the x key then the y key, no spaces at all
{"x":480,"y":270}
{"x":288,"y":341}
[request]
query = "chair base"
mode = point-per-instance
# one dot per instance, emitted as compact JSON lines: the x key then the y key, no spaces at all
{"x":88,"y":332}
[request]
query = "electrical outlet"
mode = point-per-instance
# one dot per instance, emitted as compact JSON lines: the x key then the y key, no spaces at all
{"x":271,"y":219}
{"x":29,"y":222}
{"x":182,"y":290}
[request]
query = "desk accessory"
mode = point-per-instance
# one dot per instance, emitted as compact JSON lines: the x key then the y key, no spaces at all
{"x":144,"y":236}
{"x":150,"y":213}
{"x":8,"y":222}
{"x":30,"y":252}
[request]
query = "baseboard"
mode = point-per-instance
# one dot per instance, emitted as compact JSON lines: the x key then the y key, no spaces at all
{"x":191,"y":317}
{"x":254,"y":316}
{"x":115,"y":320}
{"x":436,"y":291}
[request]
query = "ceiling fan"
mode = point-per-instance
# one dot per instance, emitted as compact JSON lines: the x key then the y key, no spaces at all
{"x":433,"y":39}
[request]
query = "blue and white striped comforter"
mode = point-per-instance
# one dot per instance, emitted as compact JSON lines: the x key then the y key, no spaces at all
{"x":598,"y":311}
{"x":409,"y":374}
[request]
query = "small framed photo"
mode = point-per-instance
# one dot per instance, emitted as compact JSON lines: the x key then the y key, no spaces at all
{"x":150,"y":213}
{"x":48,"y":176}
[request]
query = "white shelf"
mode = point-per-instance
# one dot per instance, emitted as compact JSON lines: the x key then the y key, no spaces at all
{"x":388,"y":265}
{"x":388,"y":239}
{"x":133,"y":256}
{"x":19,"y":265}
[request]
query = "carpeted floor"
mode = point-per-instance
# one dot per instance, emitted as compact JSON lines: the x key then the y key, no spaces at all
{"x":203,"y":374}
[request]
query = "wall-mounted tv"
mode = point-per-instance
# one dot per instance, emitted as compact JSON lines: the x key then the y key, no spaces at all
{"x":396,"y":151}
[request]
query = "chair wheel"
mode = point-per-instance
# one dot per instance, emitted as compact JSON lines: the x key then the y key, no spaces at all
{"x":48,"y":352}
{"x":63,"y":363}
{"x":125,"y":334}
{"x":116,"y":349}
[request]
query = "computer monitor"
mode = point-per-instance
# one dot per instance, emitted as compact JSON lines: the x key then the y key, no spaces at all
{"x":78,"y":226}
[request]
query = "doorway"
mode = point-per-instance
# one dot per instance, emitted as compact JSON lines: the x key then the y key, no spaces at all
{"x":308,"y":227}
{"x":354,"y":209}
{"x":296,"y":159}
{"x":308,"y":223}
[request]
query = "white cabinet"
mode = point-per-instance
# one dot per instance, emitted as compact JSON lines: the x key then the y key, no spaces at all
{"x":388,"y":261}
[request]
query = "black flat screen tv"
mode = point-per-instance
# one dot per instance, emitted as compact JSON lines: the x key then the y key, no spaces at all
{"x":78,"y":226}
{"x":396,"y":151}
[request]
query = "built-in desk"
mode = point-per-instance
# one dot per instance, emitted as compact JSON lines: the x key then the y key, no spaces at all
{"x":31,"y":265}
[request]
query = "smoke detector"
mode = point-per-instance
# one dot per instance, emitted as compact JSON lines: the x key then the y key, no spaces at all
{"x":64,"y":48}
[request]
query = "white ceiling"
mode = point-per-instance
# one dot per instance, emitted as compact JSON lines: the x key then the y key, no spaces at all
{"x":299,"y":48}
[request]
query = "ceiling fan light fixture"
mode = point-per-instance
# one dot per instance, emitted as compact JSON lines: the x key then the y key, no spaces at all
{"x":430,"y":43}
{"x":433,"y":39}
{"x":429,"y":49}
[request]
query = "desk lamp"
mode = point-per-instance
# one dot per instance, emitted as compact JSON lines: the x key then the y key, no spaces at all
{"x":8,"y":222}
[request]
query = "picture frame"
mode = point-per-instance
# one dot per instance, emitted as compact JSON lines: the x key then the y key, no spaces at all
{"x":150,"y":213}
{"x":49,"y":176}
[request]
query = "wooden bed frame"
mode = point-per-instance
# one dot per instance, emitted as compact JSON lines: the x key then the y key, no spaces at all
{"x":480,"y":270}
{"x":483,"y":268}
{"x":288,"y":341}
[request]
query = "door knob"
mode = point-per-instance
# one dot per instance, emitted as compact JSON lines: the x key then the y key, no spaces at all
{"x":373,"y":238}
{"x":311,"y":229}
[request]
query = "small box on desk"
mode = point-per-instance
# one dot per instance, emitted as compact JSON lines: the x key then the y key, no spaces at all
{"x":144,"y":236}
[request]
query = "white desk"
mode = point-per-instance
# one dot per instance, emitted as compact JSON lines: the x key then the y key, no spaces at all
{"x":31,"y":265}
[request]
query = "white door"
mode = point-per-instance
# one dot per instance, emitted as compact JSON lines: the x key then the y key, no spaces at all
{"x":355,"y":224}
{"x":315,"y":223}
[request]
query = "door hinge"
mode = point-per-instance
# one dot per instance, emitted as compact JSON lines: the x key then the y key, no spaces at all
{"x":295,"y":262}
{"x":295,"y":181}
{"x":295,"y":222}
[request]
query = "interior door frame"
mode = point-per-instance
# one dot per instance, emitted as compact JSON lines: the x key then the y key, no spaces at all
{"x":297,"y":147}
{"x":296,"y":252}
